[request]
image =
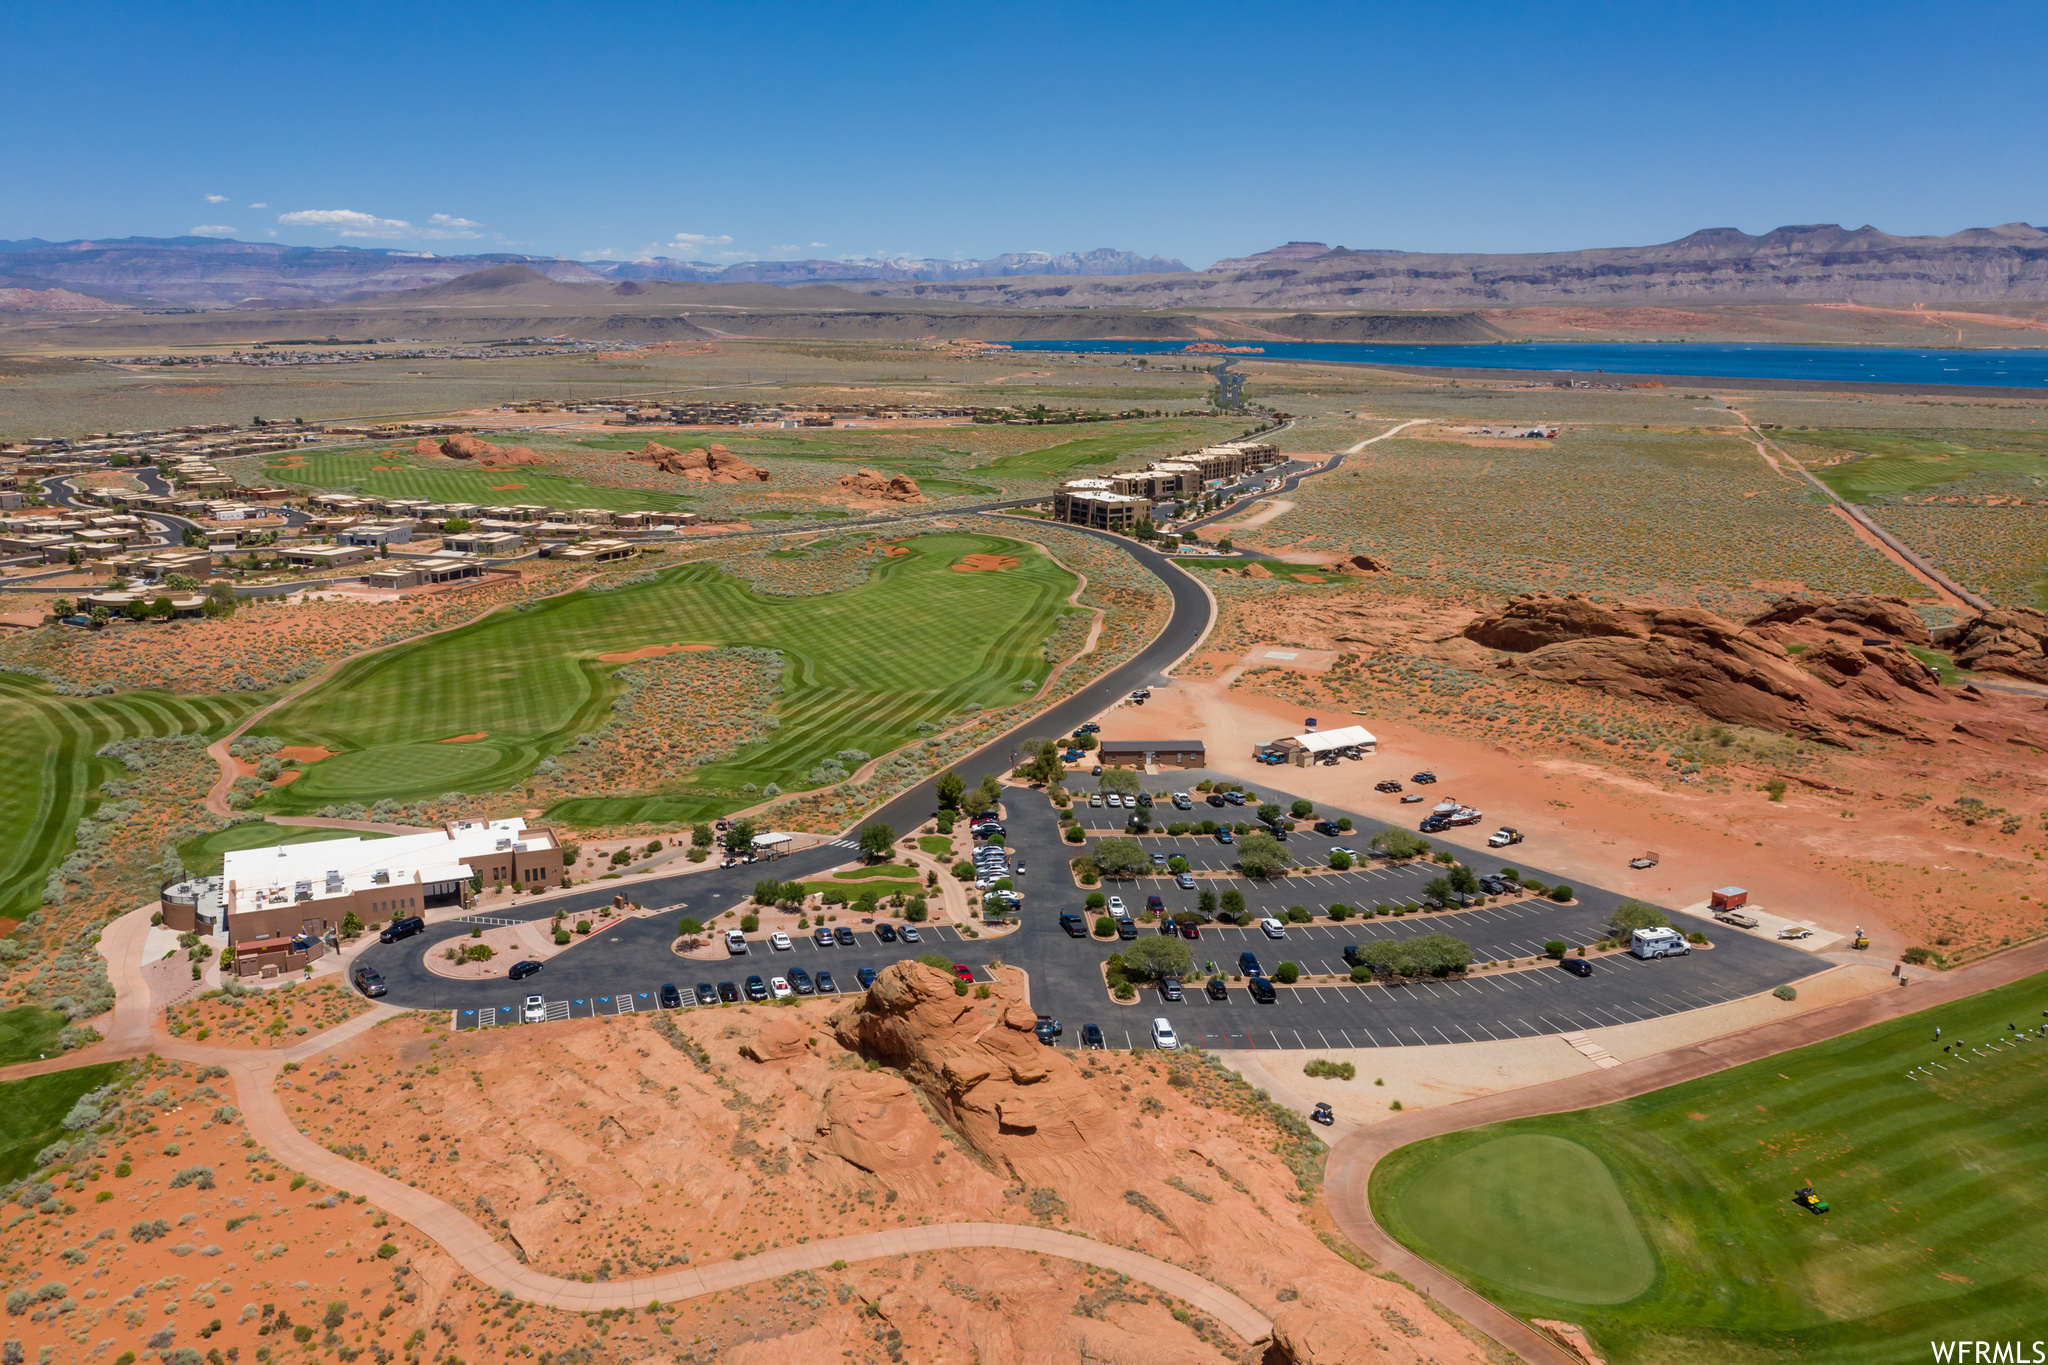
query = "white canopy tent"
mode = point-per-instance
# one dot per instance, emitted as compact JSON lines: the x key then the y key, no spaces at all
{"x":1350,"y":737}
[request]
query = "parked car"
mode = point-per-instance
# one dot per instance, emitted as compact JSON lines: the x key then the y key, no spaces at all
{"x":1163,"y":1036}
{"x":534,"y":1011}
{"x":909,"y":934}
{"x":1345,"y":849}
{"x":1248,"y":965}
{"x":964,"y":972}
{"x":1047,"y":1028}
{"x":866,"y":977}
{"x":1328,"y":827}
{"x":1075,"y":926}
{"x":1181,"y":801}
{"x":1184,"y":880}
{"x":757,"y":989}
{"x":823,"y":938}
{"x":1091,"y":1037}
{"x":843,"y":936}
{"x":1159,"y":860}
{"x":1493,"y":886}
{"x":826,"y":985}
{"x":1169,"y":989}
{"x":1126,"y":927}
{"x":779,"y":988}
{"x":801,"y":979}
{"x":1155,"y":905}
{"x":1224,"y":836}
{"x":1217,"y":989}
{"x":1503,"y":836}
{"x":735,"y":942}
{"x":1190,"y":929}
{"x":886,"y":932}
{"x":1261,"y":990}
{"x":1116,"y":905}
{"x":707,"y":994}
{"x":671,"y":998}
{"x":369,"y":982}
{"x":1095,"y":799}
{"x":728,"y":992}
{"x":1216,"y":799}
{"x":1578,"y":966}
{"x":1351,"y":955}
{"x":402,"y":928}
{"x":1272,"y":928}
{"x":519,"y":971}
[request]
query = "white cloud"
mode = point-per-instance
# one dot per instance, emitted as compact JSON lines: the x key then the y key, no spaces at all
{"x":442,"y":225}
{"x":701,"y":239}
{"x":349,"y":223}
{"x":212,"y":230}
{"x":603,"y":254}
{"x":821,"y":244}
{"x":216,"y":199}
{"x":259,"y":206}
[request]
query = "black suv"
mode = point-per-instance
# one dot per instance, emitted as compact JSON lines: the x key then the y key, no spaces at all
{"x":1248,"y":965}
{"x":1169,"y":988}
{"x":402,"y":928}
{"x":1578,"y":966}
{"x":757,"y":989}
{"x":671,"y":998}
{"x":1351,"y":956}
{"x":1091,"y":1037}
{"x":369,"y":982}
{"x":1261,"y":989}
{"x":521,"y":970}
{"x":728,"y":992}
{"x":1328,"y":827}
{"x":1216,"y":799}
{"x":801,"y":979}
{"x":707,"y":994}
{"x":1217,"y":989}
{"x":886,"y":932}
{"x":1075,"y":926}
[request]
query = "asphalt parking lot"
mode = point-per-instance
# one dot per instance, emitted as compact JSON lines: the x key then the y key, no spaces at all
{"x":622,"y":969}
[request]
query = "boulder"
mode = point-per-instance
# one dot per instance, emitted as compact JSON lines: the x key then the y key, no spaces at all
{"x":779,"y":1040}
{"x":869,"y":483}
{"x":426,"y":447}
{"x":872,"y":1120}
{"x":1536,"y":619}
{"x":2008,"y":640}
{"x":464,"y":445}
{"x":716,"y":465}
{"x":1363,"y":564}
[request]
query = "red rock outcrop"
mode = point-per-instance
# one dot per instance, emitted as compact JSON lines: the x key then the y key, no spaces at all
{"x":2008,"y":640}
{"x":426,"y":447}
{"x":1834,"y":691}
{"x":1891,"y":618}
{"x":1362,"y":564}
{"x":1012,"y":1098}
{"x":465,"y":445}
{"x":716,"y":465}
{"x":869,"y":483}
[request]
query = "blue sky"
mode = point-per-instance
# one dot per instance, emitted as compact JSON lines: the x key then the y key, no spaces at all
{"x":1194,"y":130}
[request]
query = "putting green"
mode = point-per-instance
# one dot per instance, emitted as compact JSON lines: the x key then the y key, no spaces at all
{"x":917,"y":643}
{"x":1538,"y":1212}
{"x":1935,"y":1162}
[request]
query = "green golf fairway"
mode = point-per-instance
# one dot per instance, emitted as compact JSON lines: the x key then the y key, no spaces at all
{"x":919,"y":641}
{"x":50,"y":768}
{"x":28,"y":1032}
{"x":1665,"y":1225}
{"x":1501,"y":1207}
{"x":32,"y":1112}
{"x":375,"y":474}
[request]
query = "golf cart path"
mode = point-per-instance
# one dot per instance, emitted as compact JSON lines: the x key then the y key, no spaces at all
{"x":1348,"y":1173}
{"x":254,"y":1077}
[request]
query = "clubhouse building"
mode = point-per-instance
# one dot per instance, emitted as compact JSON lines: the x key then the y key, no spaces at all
{"x":279,"y":905}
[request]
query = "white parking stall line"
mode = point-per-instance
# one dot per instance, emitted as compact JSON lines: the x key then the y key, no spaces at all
{"x":1277,"y":1044}
{"x":1324,"y":1036}
{"x":1461,"y":1028}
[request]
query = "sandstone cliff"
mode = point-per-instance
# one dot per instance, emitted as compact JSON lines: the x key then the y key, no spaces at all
{"x":2008,"y":640}
{"x":869,"y":483}
{"x":466,"y":446}
{"x":716,"y":465}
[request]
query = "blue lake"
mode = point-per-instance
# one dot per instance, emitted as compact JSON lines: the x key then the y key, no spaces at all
{"x":2026,"y":369}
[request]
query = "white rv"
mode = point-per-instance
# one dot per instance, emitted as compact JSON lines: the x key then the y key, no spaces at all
{"x":1648,"y":943}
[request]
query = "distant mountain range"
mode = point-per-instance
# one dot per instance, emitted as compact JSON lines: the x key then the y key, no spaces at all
{"x":1815,"y":263}
{"x":212,"y":272}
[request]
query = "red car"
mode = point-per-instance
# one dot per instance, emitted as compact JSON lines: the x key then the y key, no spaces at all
{"x":1190,"y":930}
{"x":964,"y":972}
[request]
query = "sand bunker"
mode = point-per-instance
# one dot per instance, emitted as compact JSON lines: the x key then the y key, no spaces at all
{"x":893,"y":551}
{"x":386,"y":468}
{"x":650,"y":652}
{"x":505,"y":487}
{"x":986,"y":564}
{"x":464,"y":739}
{"x":304,"y":753}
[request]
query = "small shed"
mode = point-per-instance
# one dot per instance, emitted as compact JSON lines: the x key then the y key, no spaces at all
{"x":771,"y":845}
{"x":1729,"y":898}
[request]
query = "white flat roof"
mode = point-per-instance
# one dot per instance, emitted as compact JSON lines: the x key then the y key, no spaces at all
{"x":435,"y":856}
{"x":1321,"y":741}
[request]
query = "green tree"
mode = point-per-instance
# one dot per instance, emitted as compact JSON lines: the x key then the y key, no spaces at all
{"x":767,"y":891}
{"x":1118,"y":857}
{"x":1464,"y":880}
{"x":964,"y":870}
{"x":988,"y":795}
{"x":1040,"y":761}
{"x":1301,"y":810}
{"x":688,"y":928}
{"x":1176,"y":864}
{"x":1340,"y":862}
{"x":876,"y":840}
{"x":1260,"y":855}
{"x":1085,"y":742}
{"x":1122,"y":781}
{"x":1269,"y":812}
{"x":1398,"y":843}
{"x":918,"y":911}
{"x":1158,"y":955}
{"x":951,"y":786}
{"x":1437,"y":889}
{"x":701,"y":836}
{"x":1104,"y":926}
{"x":1423,"y":955}
{"x":1632,"y":915}
{"x":61,"y":607}
{"x":1556,"y":948}
{"x":1233,"y":904}
{"x":351,"y":927}
{"x":740,"y":838}
{"x":1287,"y":973}
{"x":1205,"y":903}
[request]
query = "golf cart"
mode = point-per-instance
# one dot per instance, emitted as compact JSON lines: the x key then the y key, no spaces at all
{"x":1324,"y":1115}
